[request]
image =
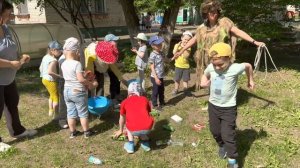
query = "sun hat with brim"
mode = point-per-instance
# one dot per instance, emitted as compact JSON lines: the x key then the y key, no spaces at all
{"x":220,"y":50}
{"x":111,"y":37}
{"x":107,"y":52}
{"x":141,"y":36}
{"x":156,"y":40}
{"x":54,"y":45}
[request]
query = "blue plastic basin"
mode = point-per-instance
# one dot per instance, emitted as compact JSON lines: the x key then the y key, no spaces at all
{"x":98,"y":105}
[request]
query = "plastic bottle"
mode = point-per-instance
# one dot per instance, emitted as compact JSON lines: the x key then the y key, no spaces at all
{"x":95,"y":160}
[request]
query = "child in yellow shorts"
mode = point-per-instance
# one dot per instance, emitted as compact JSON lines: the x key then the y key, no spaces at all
{"x":182,"y":66}
{"x":49,"y":74}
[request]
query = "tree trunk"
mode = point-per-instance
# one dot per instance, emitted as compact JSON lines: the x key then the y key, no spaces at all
{"x":168,"y":25}
{"x":131,"y":18}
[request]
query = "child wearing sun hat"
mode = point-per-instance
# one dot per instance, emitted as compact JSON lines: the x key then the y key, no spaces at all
{"x":221,"y":77}
{"x":141,"y":59}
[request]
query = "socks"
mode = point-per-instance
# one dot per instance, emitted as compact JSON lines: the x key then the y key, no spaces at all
{"x":231,"y":161}
{"x":131,"y":142}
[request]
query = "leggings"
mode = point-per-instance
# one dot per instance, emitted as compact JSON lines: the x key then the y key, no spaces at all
{"x":52,"y":89}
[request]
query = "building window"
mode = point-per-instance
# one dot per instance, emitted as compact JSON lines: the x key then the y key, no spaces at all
{"x":22,"y":8}
{"x":94,"y":6}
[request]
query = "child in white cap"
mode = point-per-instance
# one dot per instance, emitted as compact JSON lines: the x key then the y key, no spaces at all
{"x":135,"y":112}
{"x":141,"y":59}
{"x":75,"y":88}
{"x":182,"y":66}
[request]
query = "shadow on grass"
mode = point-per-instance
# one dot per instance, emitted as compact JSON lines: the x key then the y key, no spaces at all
{"x":158,"y":133}
{"x":46,"y":129}
{"x":243,"y":98}
{"x":245,"y":139}
{"x":110,"y":119}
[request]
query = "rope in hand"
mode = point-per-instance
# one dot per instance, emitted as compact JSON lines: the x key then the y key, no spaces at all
{"x":263,"y":51}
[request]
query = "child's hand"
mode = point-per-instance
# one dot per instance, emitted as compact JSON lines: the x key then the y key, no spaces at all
{"x":117,"y":134}
{"x":251,"y":85}
{"x":134,"y":49}
{"x":157,"y":81}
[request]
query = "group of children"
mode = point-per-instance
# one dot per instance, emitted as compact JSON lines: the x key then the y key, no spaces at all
{"x":220,"y":76}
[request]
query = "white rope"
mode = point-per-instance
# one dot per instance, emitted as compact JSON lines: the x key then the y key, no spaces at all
{"x":263,"y":50}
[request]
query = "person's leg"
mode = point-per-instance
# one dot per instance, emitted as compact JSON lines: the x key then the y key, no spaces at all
{"x":161,"y":92}
{"x":215,"y":127}
{"x":1,"y":100}
{"x":80,"y":100}
{"x":46,"y":83}
{"x":129,"y":146}
{"x":114,"y":87}
{"x":185,"y":78}
{"x":100,"y":80}
{"x":62,"y":114}
{"x":11,"y":99}
{"x":228,"y":125}
{"x":154,"y":94}
{"x":53,"y":90}
{"x":177,"y":78}
{"x":71,"y":109}
{"x":142,"y":79}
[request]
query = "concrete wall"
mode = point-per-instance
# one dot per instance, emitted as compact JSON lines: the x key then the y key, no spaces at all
{"x":113,"y":15}
{"x":35,"y":15}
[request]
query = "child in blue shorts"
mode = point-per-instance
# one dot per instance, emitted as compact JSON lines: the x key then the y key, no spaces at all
{"x":75,"y":88}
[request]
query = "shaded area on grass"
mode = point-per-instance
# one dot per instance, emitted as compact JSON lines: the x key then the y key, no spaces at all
{"x":46,"y":129}
{"x":158,"y":133}
{"x":243,"y":98}
{"x":245,"y":139}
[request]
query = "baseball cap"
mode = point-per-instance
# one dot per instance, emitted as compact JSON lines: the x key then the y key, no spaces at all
{"x":156,"y":40}
{"x":220,"y":50}
{"x":111,"y":37}
{"x":187,"y":33}
{"x":71,"y":44}
{"x":141,"y":36}
{"x":54,"y":45}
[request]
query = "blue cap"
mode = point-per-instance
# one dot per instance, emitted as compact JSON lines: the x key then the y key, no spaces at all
{"x":54,"y":45}
{"x":111,"y":37}
{"x":156,"y":40}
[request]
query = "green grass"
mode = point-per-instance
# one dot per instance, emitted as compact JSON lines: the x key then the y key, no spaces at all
{"x":268,"y":129}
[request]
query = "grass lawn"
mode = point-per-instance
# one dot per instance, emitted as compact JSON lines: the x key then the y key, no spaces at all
{"x":268,"y":130}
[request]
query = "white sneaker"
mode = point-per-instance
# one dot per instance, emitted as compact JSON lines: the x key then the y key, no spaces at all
{"x":63,"y":124}
{"x":27,"y":133}
{"x":4,"y":147}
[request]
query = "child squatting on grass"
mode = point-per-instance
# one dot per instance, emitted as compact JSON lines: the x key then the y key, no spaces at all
{"x":221,"y":76}
{"x":135,"y":112}
{"x":49,"y":74}
{"x":75,"y":89}
{"x":182,"y":66}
